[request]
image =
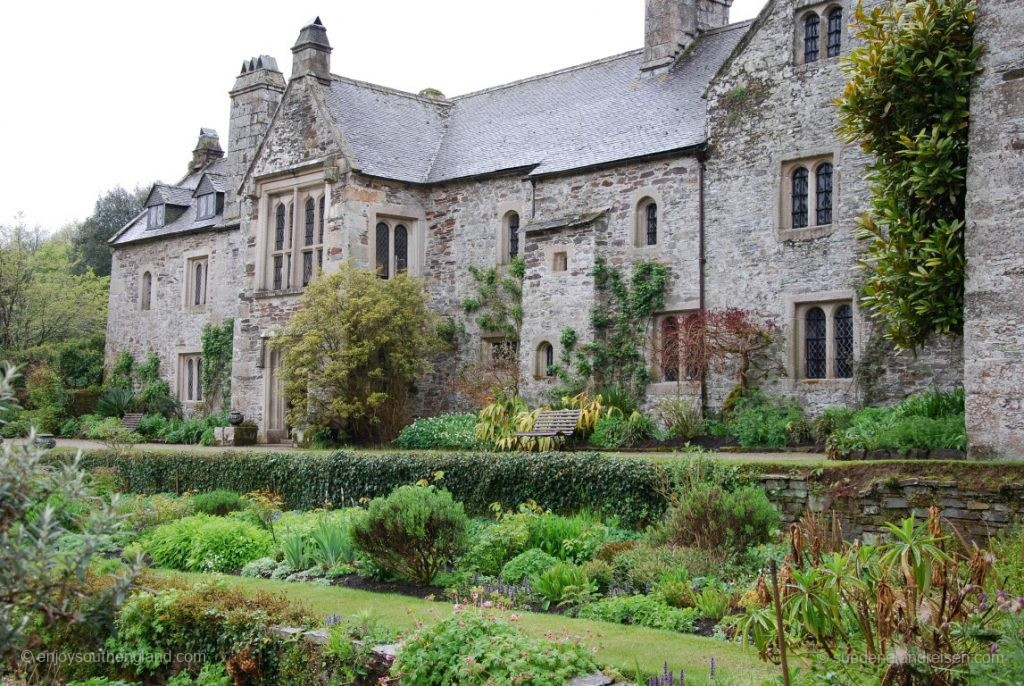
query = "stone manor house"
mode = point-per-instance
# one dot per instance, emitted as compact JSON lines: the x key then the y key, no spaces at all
{"x":711,"y":149}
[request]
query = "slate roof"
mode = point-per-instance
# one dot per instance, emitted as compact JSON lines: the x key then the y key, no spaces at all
{"x":565,"y":222}
{"x":136,"y":229}
{"x":595,"y":113}
{"x":162,"y":194}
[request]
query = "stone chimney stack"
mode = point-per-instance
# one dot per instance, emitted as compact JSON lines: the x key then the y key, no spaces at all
{"x":311,"y":53}
{"x":671,"y":25}
{"x":207,"y":150}
{"x":254,"y":99}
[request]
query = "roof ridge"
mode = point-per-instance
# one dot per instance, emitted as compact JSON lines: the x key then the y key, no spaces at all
{"x":392,"y":91}
{"x":549,"y":74}
{"x":728,"y":27}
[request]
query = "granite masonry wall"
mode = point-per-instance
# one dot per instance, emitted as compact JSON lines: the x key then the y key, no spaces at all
{"x":171,"y":327}
{"x":976,"y":514}
{"x":994,"y":313}
{"x":764,"y":111}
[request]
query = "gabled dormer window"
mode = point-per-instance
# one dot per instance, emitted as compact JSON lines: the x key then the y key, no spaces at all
{"x":155,"y":217}
{"x":207,"y":206}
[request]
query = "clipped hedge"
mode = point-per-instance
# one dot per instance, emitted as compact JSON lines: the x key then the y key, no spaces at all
{"x":562,"y":482}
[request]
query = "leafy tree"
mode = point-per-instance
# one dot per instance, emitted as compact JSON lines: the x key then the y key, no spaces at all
{"x":51,"y":532}
{"x":354,"y":351}
{"x":907,"y":104}
{"x":42,"y":300}
{"x":715,"y":338}
{"x":113,"y":210}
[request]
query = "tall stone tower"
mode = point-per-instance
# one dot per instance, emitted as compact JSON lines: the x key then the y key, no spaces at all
{"x":254,"y":99}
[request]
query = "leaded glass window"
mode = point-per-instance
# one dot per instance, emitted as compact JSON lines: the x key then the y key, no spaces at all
{"x":651,"y":214}
{"x":278,"y":271}
{"x":670,"y":349}
{"x":307,"y":267}
{"x":320,"y":235}
{"x":823,"y":197}
{"x":199,"y":378}
{"x":279,"y":229}
{"x":513,"y":235}
{"x":815,"y":344}
{"x":811,"y":22}
{"x":190,"y":374}
{"x":835,"y":32}
{"x":383,"y":250}
{"x":844,"y":341}
{"x":310,"y":221}
{"x":401,"y":249}
{"x":545,"y":359}
{"x":198,"y":291}
{"x":799,"y":198}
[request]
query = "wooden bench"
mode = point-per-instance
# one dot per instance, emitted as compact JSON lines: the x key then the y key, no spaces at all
{"x":554,"y":423}
{"x":131,"y":420}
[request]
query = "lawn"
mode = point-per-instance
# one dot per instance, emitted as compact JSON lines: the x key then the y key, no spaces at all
{"x":623,"y":647}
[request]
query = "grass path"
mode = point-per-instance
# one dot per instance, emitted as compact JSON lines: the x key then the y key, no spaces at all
{"x":619,"y":646}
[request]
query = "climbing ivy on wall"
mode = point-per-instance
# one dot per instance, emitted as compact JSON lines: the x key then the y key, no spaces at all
{"x":217,"y":343}
{"x":498,"y":301}
{"x":907,"y":104}
{"x":617,"y":357}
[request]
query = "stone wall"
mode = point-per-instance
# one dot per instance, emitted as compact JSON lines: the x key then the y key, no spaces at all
{"x":863,"y":512}
{"x":171,"y":327}
{"x":764,"y":111}
{"x":994,"y":313}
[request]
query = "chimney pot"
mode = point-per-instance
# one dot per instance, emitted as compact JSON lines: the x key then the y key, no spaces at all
{"x":311,"y":54}
{"x":207,"y":150}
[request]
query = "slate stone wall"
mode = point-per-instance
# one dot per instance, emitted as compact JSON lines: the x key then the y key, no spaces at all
{"x":994,"y":313}
{"x":863,"y":512}
{"x":170,"y":327}
{"x":765,"y":110}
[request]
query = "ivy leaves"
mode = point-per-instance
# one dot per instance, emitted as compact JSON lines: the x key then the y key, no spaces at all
{"x":907,"y":103}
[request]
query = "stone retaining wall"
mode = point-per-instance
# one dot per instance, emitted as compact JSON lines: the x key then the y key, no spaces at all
{"x":863,"y":512}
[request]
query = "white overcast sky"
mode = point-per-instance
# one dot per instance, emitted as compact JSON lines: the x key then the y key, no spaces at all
{"x":100,"y":94}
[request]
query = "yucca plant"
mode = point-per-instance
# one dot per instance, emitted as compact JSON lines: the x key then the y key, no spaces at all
{"x":116,"y":402}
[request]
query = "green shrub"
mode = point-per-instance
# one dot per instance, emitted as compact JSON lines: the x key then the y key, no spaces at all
{"x":71,"y":428}
{"x":219,"y":502}
{"x":471,"y":649}
{"x":762,"y":423}
{"x":526,"y":564}
{"x":712,"y":602}
{"x":681,"y":418}
{"x":549,"y":532}
{"x":561,"y":583}
{"x":412,"y":533}
{"x":207,"y":544}
{"x":643,"y":567}
{"x":454,"y":431}
{"x":832,"y":420}
{"x":714,"y":519}
{"x":495,"y":544}
{"x":294,"y":549}
{"x":562,"y":482}
{"x":641,"y":610}
{"x":612,"y":433}
{"x":600,"y":572}
{"x":331,"y":542}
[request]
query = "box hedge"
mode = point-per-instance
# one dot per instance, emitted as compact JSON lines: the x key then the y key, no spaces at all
{"x":562,"y":482}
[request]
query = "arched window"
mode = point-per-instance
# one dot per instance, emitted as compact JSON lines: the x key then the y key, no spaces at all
{"x":310,"y":221}
{"x":823,"y":196}
{"x":815,"y":344}
{"x":279,"y":229}
{"x":199,"y":378}
{"x":147,"y":290}
{"x":835,"y":32}
{"x":199,"y":294}
{"x":512,"y":225}
{"x":190,"y":374}
{"x":651,"y":222}
{"x":545,"y":359}
{"x":799,"y":197}
{"x":843,"y":325}
{"x":401,"y":249}
{"x":383,"y":250}
{"x":811,"y":22}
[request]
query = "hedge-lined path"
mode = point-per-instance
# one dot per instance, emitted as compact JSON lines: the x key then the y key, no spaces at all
{"x":623,"y":647}
{"x":794,"y":458}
